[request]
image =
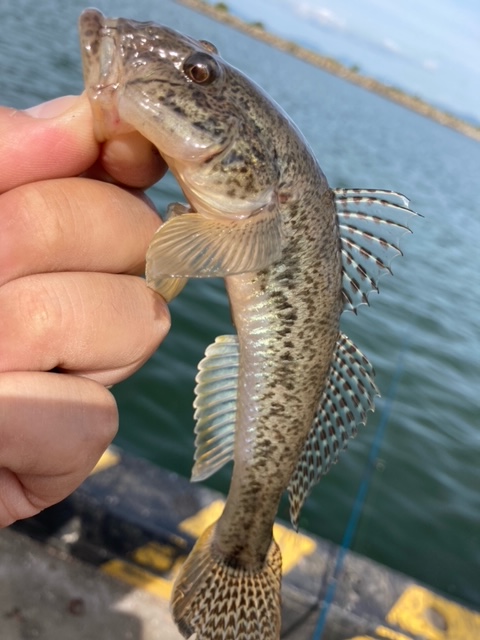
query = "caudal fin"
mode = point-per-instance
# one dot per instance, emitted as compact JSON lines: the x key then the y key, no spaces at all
{"x":221,"y":602}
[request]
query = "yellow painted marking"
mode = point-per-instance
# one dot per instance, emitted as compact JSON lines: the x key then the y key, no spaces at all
{"x":197,"y":524}
{"x":138,"y":577}
{"x":159,"y":557}
{"x":109,"y":459}
{"x":294,"y":546}
{"x":383,"y":632}
{"x":390,"y":634}
{"x":425,"y":614}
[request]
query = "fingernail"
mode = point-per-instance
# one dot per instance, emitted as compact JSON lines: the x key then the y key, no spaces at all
{"x":52,"y":108}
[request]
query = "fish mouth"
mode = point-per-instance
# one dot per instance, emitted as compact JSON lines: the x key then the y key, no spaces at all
{"x":116,"y":111}
{"x":101,"y":72}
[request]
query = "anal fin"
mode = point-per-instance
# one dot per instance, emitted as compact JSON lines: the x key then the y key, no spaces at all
{"x":215,"y":406}
{"x":348,"y":396}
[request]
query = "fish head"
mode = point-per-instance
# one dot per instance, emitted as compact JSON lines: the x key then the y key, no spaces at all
{"x":201,"y":113}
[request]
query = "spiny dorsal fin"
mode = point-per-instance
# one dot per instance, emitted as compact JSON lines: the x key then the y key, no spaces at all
{"x":371,"y":223}
{"x":215,"y":407}
{"x":348,"y":396}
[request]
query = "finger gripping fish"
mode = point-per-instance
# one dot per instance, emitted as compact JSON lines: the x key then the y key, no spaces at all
{"x":282,"y":396}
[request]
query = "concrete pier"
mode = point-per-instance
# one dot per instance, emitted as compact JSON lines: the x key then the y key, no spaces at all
{"x":100,"y":566}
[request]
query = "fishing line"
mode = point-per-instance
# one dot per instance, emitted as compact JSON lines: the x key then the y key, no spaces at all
{"x":360,"y":498}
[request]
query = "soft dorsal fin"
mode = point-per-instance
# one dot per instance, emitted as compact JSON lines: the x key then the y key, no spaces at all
{"x":371,"y":223}
{"x":347,"y":397}
{"x":215,"y":406}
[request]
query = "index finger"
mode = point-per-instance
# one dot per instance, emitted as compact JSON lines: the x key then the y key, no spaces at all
{"x":46,"y":147}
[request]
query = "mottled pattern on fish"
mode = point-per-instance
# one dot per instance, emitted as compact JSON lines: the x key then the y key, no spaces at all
{"x":282,"y":397}
{"x":286,"y":317}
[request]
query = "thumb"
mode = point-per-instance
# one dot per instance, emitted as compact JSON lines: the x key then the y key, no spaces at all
{"x":53,"y":108}
{"x":52,"y":140}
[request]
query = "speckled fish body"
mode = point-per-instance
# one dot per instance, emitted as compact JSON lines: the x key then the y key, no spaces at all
{"x":282,"y":396}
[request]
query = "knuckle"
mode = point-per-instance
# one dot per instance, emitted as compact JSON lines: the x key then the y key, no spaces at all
{"x":40,"y":206}
{"x":30,"y":313}
{"x":39,"y":308}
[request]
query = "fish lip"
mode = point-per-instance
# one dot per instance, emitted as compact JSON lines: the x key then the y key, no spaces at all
{"x":101,"y":71}
{"x":92,"y":26}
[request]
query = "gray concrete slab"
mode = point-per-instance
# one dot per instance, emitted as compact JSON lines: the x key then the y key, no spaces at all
{"x":48,"y":595}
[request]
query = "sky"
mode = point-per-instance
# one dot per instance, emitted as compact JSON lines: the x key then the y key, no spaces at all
{"x":430,"y":48}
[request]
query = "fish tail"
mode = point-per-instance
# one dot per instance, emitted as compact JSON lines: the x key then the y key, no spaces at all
{"x":219,"y":601}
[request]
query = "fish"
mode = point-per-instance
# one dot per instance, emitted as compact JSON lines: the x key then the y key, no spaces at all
{"x":283,"y":395}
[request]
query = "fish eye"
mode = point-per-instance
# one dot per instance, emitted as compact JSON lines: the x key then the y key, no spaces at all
{"x":201,"y":68}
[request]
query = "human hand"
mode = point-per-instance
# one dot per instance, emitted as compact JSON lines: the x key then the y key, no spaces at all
{"x":75,"y":316}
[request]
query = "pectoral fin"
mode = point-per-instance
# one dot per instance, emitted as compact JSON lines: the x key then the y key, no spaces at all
{"x":194,"y":246}
{"x":348,"y":396}
{"x":168,"y":288}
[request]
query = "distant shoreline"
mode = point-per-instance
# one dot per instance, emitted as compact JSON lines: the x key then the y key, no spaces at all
{"x":336,"y":68}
